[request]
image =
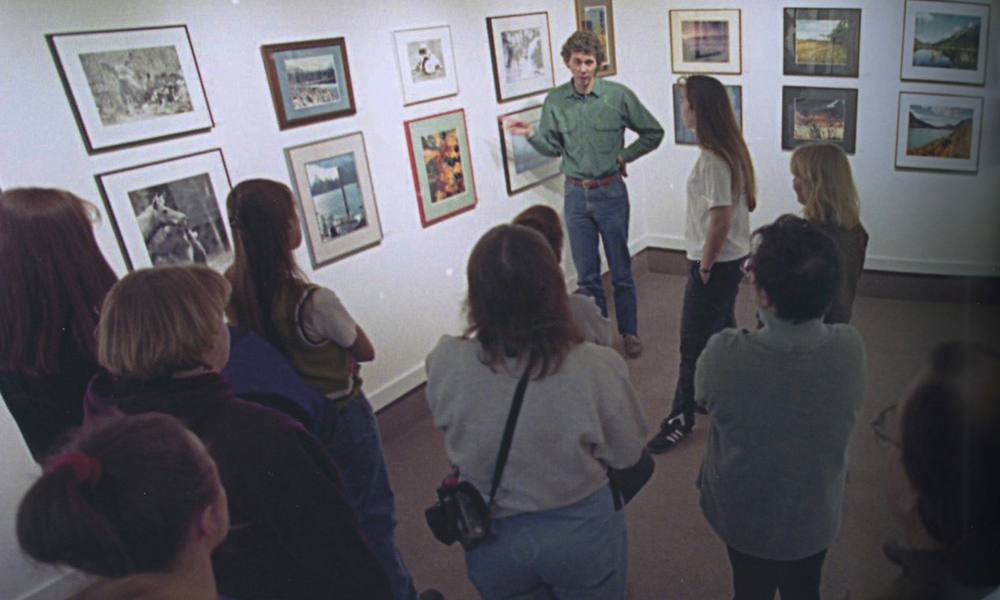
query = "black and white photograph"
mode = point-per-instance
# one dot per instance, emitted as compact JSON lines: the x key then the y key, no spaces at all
{"x":521,"y":49}
{"x":426,"y":63}
{"x":137,"y":84}
{"x":310,"y":81}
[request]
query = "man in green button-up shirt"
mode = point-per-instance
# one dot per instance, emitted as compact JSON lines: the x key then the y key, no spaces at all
{"x":584,"y":121}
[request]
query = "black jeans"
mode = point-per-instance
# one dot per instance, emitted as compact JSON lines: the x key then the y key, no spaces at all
{"x":758,"y":578}
{"x":708,"y":309}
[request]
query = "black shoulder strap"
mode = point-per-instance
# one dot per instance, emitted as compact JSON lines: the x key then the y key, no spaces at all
{"x":508,"y":431}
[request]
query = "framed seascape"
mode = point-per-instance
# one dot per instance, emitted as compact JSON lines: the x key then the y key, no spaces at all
{"x":939,"y":132}
{"x":945,"y":42}
{"x":705,"y":41}
{"x":684,"y":135}
{"x":426,"y":63}
{"x":521,"y":49}
{"x":310,"y":81}
{"x":131,"y":86}
{"x":334,"y":186}
{"x":822,"y":41}
{"x":171,"y":212}
{"x":813,"y":114}
{"x":523,"y":166}
{"x":597,"y":16}
{"x":442,"y":166}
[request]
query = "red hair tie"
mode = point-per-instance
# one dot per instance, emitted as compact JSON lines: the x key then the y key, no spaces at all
{"x":85,"y":467}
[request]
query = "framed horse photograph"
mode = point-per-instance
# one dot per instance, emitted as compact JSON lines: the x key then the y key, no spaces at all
{"x":171,"y":212}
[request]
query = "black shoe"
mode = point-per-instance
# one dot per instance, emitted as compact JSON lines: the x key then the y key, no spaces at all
{"x":671,"y":432}
{"x":431,"y":594}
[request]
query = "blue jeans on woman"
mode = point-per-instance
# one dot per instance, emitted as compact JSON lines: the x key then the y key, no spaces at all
{"x":602,"y":212}
{"x":579,"y":551}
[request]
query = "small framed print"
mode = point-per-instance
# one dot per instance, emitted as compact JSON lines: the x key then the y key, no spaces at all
{"x":334,"y":186}
{"x":597,"y":16}
{"x":523,"y":166}
{"x":822,"y":41}
{"x":683,"y":135}
{"x":426,"y":63}
{"x":131,"y":86}
{"x":814,"y":114}
{"x":521,"y":48}
{"x":171,"y":212}
{"x":939,"y":132}
{"x":442,"y":165}
{"x":945,"y":42}
{"x":705,"y":41}
{"x":310,"y":81}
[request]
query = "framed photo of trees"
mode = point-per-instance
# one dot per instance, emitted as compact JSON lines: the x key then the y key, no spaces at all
{"x":822,"y":41}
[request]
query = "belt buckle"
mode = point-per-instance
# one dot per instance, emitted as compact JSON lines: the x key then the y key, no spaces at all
{"x":589,"y":184}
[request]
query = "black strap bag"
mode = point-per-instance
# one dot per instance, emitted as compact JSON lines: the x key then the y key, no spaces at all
{"x":626,"y":483}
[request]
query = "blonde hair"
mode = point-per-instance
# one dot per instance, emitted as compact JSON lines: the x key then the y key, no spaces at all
{"x":158,"y":321}
{"x":833,"y":197}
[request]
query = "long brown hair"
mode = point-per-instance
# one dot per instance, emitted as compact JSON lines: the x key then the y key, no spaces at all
{"x":717,"y":130}
{"x":517,"y":302}
{"x":53,"y":279}
{"x":260,"y":212}
{"x":833,"y":197}
{"x":545,"y":220}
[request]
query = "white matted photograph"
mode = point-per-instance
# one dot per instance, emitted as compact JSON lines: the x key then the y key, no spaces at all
{"x":945,"y":42}
{"x":426,"y":63}
{"x":521,"y":48}
{"x":705,"y":41}
{"x":523,"y":166}
{"x":939,"y":132}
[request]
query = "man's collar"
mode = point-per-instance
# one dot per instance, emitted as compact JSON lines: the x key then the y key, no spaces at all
{"x":595,"y":89}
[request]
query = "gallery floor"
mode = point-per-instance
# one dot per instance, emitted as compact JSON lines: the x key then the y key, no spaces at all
{"x":673,"y":553}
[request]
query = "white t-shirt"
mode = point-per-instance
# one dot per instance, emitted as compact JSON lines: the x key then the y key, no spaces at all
{"x":594,"y":326}
{"x":324,"y":317}
{"x":708,"y":186}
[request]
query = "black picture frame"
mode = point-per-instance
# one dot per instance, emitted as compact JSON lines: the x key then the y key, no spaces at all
{"x":819,"y":114}
{"x":822,"y":41}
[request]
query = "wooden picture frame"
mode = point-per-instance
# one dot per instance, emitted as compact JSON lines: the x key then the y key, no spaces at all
{"x":939,"y":132}
{"x":945,"y":42}
{"x":334,"y":186}
{"x":598,"y":16}
{"x":131,"y":86}
{"x":171,"y":211}
{"x":426,"y":64}
{"x":706,"y":41}
{"x":442,"y":165}
{"x":816,"y":114}
{"x":523,"y":166}
{"x":310,"y":81}
{"x":685,"y":136}
{"x":822,"y":41}
{"x":521,"y":52}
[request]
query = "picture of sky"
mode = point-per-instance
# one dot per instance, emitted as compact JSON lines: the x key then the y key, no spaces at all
{"x":814,"y":29}
{"x":934,"y":27}
{"x":941,"y":116}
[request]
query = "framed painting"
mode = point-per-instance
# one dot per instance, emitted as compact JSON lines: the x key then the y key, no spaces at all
{"x":597,"y":16}
{"x":426,"y":63}
{"x":131,"y":86}
{"x":813,"y":114}
{"x":334,"y":186}
{"x":683,"y":134}
{"x":521,"y":49}
{"x":705,"y":41}
{"x":523,"y":166}
{"x":945,"y":42}
{"x":171,"y":212}
{"x":310,"y":81}
{"x":939,"y":132}
{"x":822,"y":41}
{"x":442,"y":166}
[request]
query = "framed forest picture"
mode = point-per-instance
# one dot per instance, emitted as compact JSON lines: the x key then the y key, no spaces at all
{"x":822,"y":41}
{"x":310,"y":81}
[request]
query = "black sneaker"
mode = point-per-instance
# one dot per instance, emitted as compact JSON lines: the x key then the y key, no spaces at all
{"x":671,"y":432}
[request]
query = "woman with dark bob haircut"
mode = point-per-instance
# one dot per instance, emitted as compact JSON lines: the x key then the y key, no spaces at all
{"x":54,"y":279}
{"x":580,"y":415}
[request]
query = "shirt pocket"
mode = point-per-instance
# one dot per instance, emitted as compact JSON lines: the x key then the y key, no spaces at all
{"x":608,"y":130}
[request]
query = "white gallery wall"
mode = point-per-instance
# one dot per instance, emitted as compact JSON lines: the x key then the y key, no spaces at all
{"x":407,"y":291}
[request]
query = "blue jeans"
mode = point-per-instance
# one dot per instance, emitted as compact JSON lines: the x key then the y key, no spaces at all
{"x":578,"y":551}
{"x":602,"y":211}
{"x":356,"y":448}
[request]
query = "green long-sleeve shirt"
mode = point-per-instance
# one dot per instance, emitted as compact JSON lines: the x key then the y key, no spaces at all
{"x":589,"y":131}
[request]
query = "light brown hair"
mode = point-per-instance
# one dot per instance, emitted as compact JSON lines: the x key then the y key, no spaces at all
{"x":833,"y":197}
{"x":545,"y":220}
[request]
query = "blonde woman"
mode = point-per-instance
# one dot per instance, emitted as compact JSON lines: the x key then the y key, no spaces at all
{"x":821,"y":177}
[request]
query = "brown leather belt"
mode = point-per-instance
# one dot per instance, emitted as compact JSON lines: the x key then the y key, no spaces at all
{"x":593,"y":183}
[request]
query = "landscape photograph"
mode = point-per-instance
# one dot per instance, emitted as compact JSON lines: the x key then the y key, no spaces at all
{"x":819,"y":119}
{"x":705,"y":41}
{"x":136,"y":84}
{"x":336,"y":196}
{"x":312,"y":80}
{"x":822,"y":41}
{"x":939,"y":131}
{"x":947,"y":41}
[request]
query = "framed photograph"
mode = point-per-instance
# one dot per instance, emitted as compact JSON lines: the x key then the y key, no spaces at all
{"x":426,"y":64}
{"x":131,"y":86}
{"x":822,"y":41}
{"x":171,"y":212}
{"x":334,"y":186}
{"x":813,"y":114}
{"x":598,"y":17}
{"x":939,"y":132}
{"x":523,"y":166}
{"x":310,"y":81}
{"x":442,"y":166}
{"x":945,"y":42}
{"x":521,"y":49}
{"x":684,"y":135}
{"x":705,"y":41}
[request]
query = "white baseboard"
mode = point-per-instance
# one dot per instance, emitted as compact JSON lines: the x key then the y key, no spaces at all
{"x":389,"y":393}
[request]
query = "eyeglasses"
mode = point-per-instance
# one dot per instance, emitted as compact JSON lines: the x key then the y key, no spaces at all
{"x":885,"y":422}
